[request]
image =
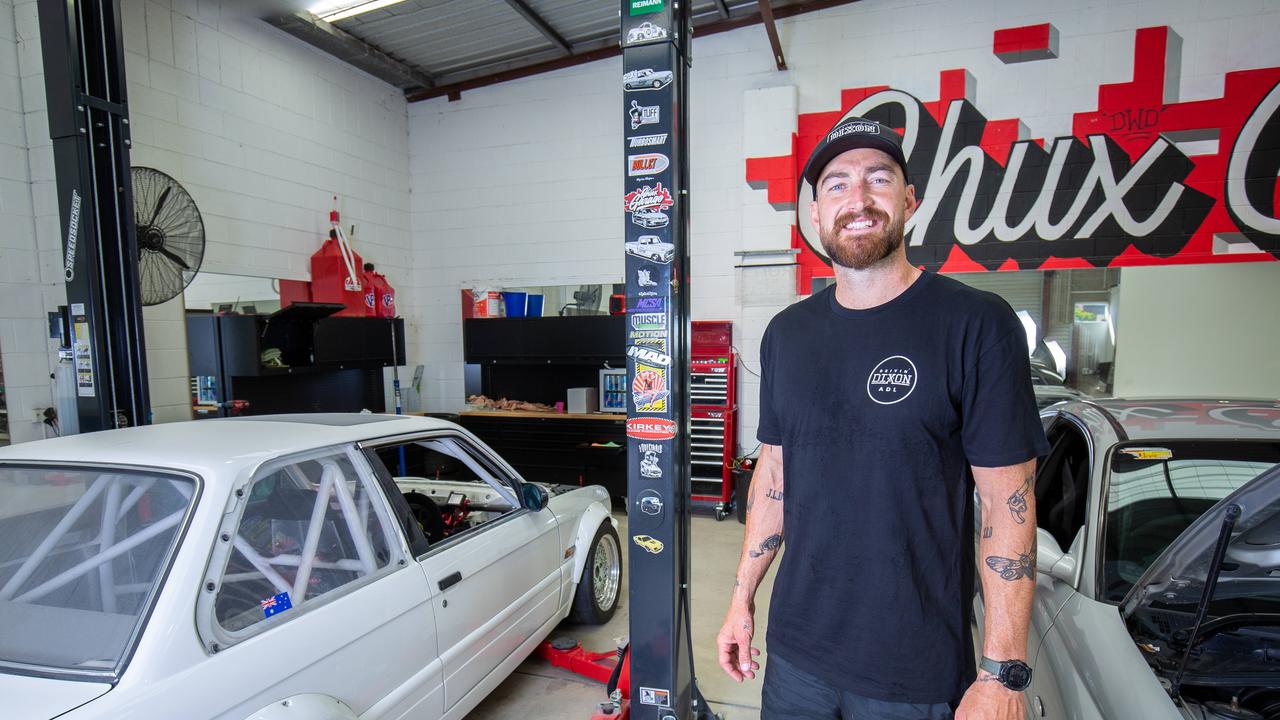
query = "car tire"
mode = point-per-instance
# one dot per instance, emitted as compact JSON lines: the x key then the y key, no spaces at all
{"x":600,"y":587}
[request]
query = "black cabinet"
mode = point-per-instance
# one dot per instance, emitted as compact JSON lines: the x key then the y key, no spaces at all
{"x":558,"y":450}
{"x":576,"y":340}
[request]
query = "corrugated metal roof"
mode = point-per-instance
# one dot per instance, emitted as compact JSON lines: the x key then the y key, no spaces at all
{"x":439,"y":46}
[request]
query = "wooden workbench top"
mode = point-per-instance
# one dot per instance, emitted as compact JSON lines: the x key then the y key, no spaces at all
{"x":530,"y":415}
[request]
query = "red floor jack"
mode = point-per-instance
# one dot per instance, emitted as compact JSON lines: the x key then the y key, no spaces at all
{"x":611,"y":668}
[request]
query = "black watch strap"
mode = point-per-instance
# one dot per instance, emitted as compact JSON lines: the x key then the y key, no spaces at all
{"x":1013,"y":674}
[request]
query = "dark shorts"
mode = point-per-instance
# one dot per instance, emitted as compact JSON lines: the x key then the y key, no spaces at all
{"x":790,"y":693}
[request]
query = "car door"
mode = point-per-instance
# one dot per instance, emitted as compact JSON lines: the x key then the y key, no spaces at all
{"x":1062,"y":505}
{"x":493,"y":569}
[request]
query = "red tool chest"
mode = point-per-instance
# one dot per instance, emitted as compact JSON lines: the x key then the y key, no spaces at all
{"x":713,"y":399}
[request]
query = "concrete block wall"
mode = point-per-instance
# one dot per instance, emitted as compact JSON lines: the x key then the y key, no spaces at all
{"x":518,"y":183}
{"x":261,"y":129}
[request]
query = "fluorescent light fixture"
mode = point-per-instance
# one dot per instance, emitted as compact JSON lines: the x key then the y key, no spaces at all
{"x":334,"y":11}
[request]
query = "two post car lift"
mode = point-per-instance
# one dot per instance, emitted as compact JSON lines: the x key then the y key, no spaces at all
{"x":84,"y":71}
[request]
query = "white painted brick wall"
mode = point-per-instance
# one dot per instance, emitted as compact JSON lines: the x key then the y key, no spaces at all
{"x":518,"y":183}
{"x":260,"y":128}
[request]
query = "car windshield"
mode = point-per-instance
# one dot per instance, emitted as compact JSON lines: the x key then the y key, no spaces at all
{"x":82,"y":552}
{"x":1157,"y":490}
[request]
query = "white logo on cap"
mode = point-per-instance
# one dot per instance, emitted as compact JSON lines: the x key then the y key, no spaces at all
{"x":857,"y":127}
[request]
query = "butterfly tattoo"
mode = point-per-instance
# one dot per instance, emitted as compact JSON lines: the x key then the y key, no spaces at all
{"x":1017,"y":503}
{"x":1010,"y":569}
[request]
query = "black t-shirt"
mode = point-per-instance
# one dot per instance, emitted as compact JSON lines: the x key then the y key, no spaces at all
{"x":880,"y":413}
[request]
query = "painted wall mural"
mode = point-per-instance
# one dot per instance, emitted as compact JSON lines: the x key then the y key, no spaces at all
{"x":1140,"y":181}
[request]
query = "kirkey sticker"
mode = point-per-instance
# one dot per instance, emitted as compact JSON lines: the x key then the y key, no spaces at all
{"x":649,"y":197}
{"x":644,"y":7}
{"x":649,"y":321}
{"x":649,"y":355}
{"x":646,"y":164}
{"x":649,"y":389}
{"x":646,"y":79}
{"x":646,"y":140}
{"x":276,"y":605}
{"x":643,"y":115}
{"x":651,"y":428}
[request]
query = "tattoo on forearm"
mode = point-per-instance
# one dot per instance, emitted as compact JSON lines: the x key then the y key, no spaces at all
{"x":986,"y":532}
{"x":773,"y":494}
{"x":1009,"y":569}
{"x":1018,"y":502}
{"x":768,"y":545}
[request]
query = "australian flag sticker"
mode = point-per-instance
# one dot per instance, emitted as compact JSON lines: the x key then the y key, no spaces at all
{"x":276,"y":605}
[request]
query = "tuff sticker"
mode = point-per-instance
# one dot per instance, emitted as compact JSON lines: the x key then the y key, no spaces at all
{"x":649,"y":389}
{"x":650,"y":544}
{"x":643,"y":115}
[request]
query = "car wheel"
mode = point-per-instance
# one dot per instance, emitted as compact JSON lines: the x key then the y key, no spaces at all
{"x":601,"y":584}
{"x":657,"y":84}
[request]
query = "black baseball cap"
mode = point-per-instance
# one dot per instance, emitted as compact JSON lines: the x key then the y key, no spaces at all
{"x":852,"y":133}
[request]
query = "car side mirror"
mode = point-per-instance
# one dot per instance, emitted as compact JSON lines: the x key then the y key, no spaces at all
{"x":1050,"y":558}
{"x":534,"y":496}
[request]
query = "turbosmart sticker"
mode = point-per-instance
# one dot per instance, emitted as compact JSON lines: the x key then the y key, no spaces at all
{"x":276,"y":605}
{"x":649,"y":389}
{"x":655,"y":696}
{"x":653,"y":545}
{"x":651,"y":428}
{"x":646,"y":140}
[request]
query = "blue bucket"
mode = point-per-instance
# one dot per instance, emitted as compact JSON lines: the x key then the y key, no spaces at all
{"x":534,"y":307}
{"x":514,"y":302}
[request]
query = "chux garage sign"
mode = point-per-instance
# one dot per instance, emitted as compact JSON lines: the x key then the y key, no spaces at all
{"x":1140,"y":181}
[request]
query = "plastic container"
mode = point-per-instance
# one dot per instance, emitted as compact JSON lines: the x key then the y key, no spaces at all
{"x":515,"y":303}
{"x":533,"y":306}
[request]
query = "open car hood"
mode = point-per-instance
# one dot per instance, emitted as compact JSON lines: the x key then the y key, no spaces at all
{"x":1161,"y":607}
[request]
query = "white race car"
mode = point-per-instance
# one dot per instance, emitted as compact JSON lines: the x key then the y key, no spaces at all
{"x":328,"y":567}
{"x":645,"y":31}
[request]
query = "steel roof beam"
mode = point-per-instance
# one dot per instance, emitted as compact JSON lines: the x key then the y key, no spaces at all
{"x":536,"y":20}
{"x":345,"y":46}
{"x":766,"y":16}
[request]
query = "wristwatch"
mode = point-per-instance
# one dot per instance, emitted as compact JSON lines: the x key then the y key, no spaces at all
{"x":1013,"y":674}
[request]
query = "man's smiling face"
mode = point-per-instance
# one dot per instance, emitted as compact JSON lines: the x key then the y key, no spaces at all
{"x":861,"y":205}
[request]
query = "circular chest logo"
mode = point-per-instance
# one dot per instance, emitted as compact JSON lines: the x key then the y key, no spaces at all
{"x":892,"y":380}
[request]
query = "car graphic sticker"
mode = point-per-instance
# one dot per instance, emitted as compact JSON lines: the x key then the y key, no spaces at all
{"x":649,"y":389}
{"x":650,"y":544}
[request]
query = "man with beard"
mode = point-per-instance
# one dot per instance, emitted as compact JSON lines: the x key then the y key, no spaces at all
{"x":884,"y":401}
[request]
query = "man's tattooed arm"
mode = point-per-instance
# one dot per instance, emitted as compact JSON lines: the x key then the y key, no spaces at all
{"x":773,"y":494}
{"x":768,"y":545}
{"x":1017,"y":502}
{"x":1010,"y":569}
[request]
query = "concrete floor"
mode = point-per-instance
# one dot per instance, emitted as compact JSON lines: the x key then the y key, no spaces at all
{"x":538,"y":691}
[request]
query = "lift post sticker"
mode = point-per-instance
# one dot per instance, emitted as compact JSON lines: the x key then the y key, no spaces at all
{"x":655,"y":696}
{"x":649,"y":388}
{"x":650,"y":467}
{"x":1147,"y":453}
{"x":651,"y":545}
{"x":276,"y":605}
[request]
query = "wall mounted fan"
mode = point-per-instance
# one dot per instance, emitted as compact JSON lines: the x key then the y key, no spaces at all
{"x":170,"y":235}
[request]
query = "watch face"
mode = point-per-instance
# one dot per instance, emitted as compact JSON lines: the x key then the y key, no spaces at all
{"x":1016,"y":676}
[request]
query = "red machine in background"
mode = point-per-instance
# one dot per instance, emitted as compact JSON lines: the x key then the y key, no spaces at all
{"x":713,"y":399}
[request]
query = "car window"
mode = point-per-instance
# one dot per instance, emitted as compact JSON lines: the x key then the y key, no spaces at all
{"x":310,"y":528}
{"x":451,"y":487}
{"x":1156,"y":490}
{"x":82,"y":554}
{"x":1062,"y":484}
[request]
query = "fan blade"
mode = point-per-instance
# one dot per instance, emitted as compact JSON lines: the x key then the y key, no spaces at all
{"x":159,"y":205}
{"x":169,"y":254}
